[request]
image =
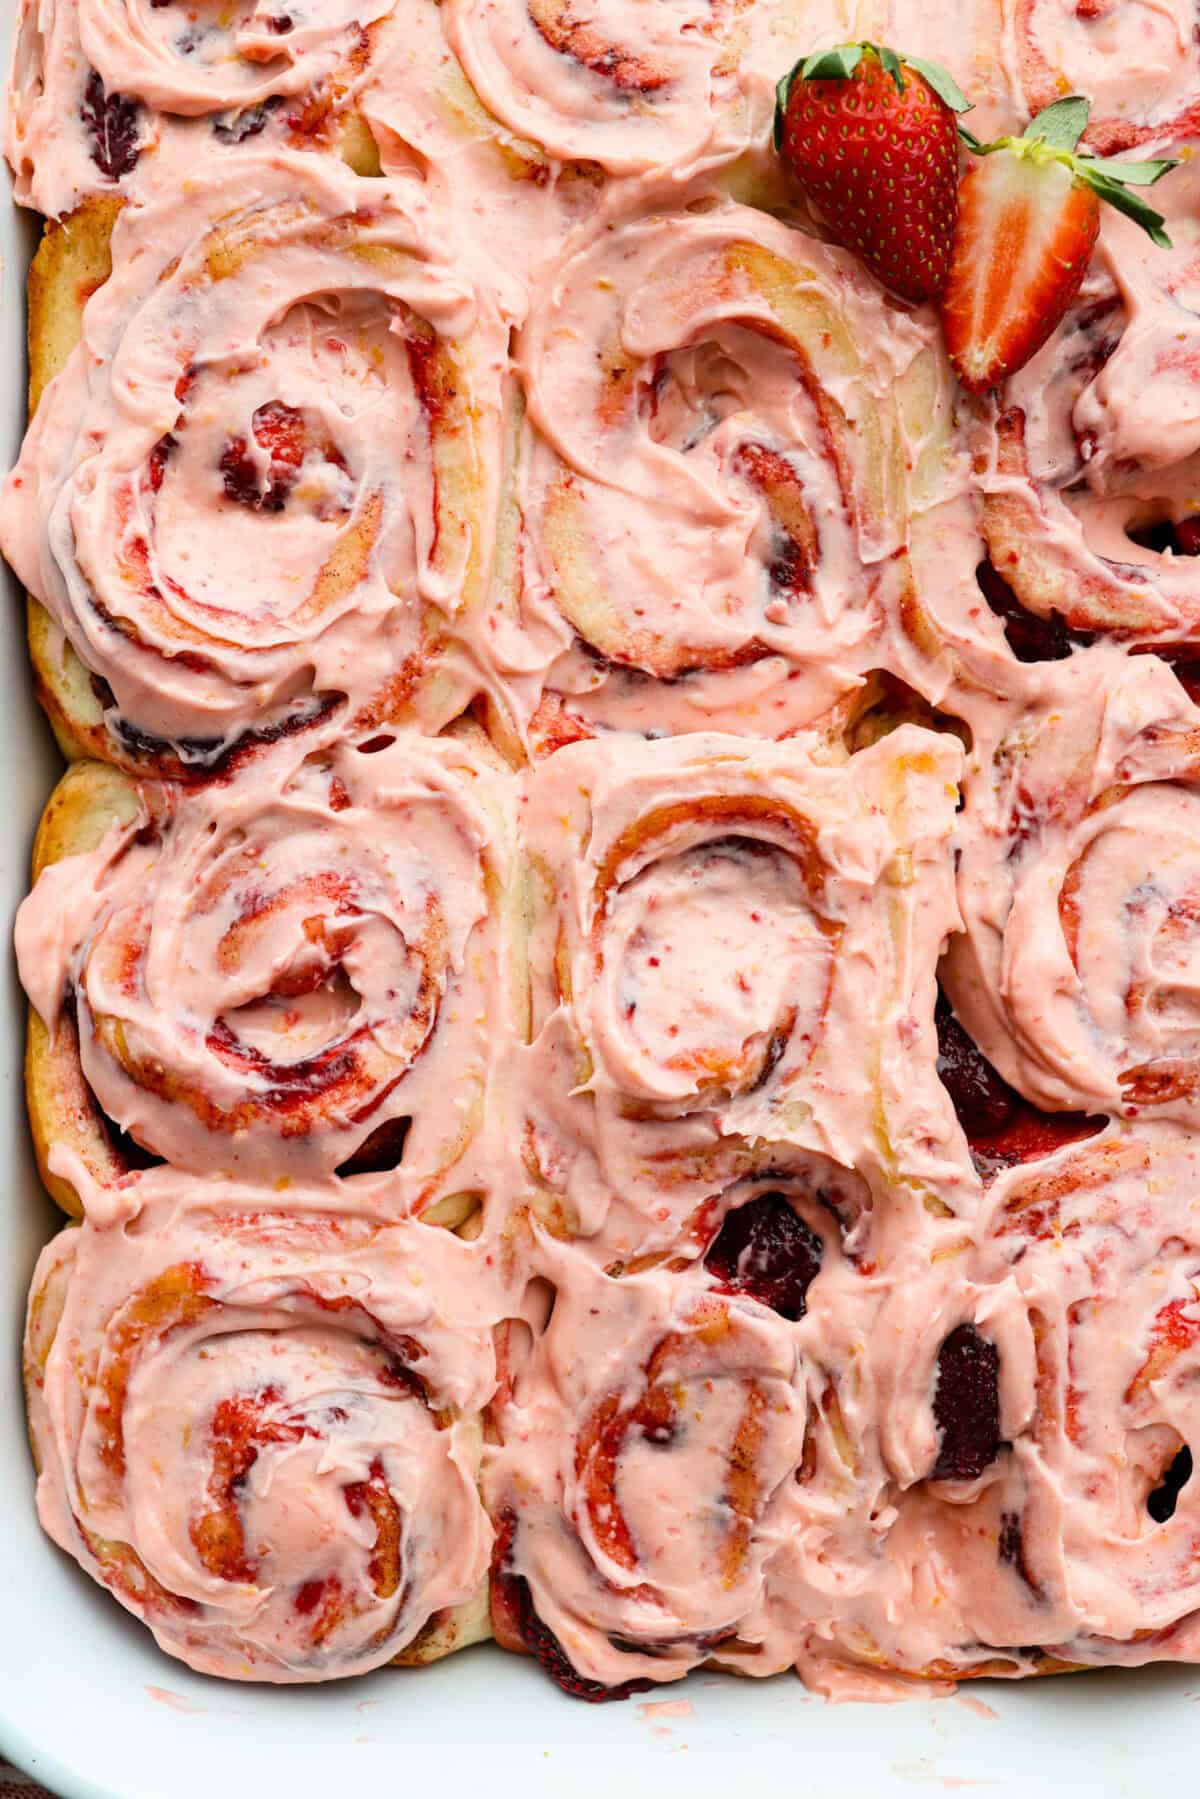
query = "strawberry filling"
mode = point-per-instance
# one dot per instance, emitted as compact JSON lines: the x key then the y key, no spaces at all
{"x":112,"y":127}
{"x":513,"y":1605}
{"x":1002,"y":1128}
{"x":1030,"y":637}
{"x":279,"y":431}
{"x":966,"y":1405}
{"x":765,"y":1251}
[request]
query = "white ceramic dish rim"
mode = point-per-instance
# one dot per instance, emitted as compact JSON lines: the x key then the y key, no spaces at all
{"x":90,"y":1706}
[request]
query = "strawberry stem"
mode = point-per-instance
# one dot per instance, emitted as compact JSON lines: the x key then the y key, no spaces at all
{"x":841,"y":62}
{"x":1053,"y":136}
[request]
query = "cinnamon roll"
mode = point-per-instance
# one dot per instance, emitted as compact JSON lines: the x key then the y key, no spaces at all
{"x":638,"y":1481}
{"x":1077,"y":883}
{"x":711,"y":495}
{"x":1039,"y":1438}
{"x":99,"y":85}
{"x":260,"y":495}
{"x":1088,"y":463}
{"x":1101,"y":1309}
{"x":731,"y":951}
{"x":298,"y":977}
{"x":509,"y":204}
{"x":628,"y":87}
{"x":259,"y":1427}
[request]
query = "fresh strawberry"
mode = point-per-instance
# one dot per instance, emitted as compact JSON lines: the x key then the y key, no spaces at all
{"x":871,"y":139}
{"x":1028,"y":218}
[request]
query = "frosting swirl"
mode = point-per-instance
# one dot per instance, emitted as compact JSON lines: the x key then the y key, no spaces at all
{"x":258,"y":1427}
{"x":708,"y":917}
{"x":693,"y":380}
{"x":96,"y":85}
{"x":293,"y":976}
{"x":209,"y":501}
{"x":625,"y":86}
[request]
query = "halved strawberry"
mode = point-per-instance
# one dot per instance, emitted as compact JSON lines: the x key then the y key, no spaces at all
{"x":1028,"y":219}
{"x":870,"y":137}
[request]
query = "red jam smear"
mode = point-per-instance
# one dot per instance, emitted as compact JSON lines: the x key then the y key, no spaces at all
{"x":764,"y":1250}
{"x":1030,"y":637}
{"x":1002,"y":1129}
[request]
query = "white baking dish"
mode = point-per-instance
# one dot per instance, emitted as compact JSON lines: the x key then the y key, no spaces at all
{"x":88,"y":1704}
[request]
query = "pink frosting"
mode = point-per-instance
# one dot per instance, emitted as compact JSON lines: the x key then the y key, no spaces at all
{"x":259,"y":1426}
{"x":713,"y":924}
{"x":573,"y":417}
{"x":245,"y":385}
{"x":266,"y":977}
{"x":1077,"y":973}
{"x":99,"y":86}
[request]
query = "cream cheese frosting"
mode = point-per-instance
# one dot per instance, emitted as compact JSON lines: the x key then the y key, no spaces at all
{"x":267,"y":371}
{"x":259,"y":1427}
{"x":562,"y":1191}
{"x":266,"y":980}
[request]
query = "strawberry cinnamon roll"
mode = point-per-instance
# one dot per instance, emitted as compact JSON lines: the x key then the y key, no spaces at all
{"x":1053,"y":1519}
{"x":1089,"y":462}
{"x":259,"y":495}
{"x":96,"y":85}
{"x":629,"y":87}
{"x":1104,"y":1264}
{"x":260,"y":1429}
{"x":296,"y":977}
{"x":1137,"y":60}
{"x":712,"y":488}
{"x":732,"y":951}
{"x":1078,"y":887}
{"x":639,"y":1479}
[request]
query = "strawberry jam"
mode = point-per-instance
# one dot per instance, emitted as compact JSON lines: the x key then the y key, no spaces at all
{"x":1031,"y":638}
{"x":1002,"y":1129}
{"x":768,"y":1253}
{"x":966,"y":1405}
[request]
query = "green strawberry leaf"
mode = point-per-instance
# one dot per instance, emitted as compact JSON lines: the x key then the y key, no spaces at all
{"x":891,"y":65}
{"x":942,"y":82}
{"x":783,"y":91}
{"x":1138,"y":174}
{"x":1132,"y":205}
{"x":840,"y":63}
{"x":1062,"y":124}
{"x":837,"y":64}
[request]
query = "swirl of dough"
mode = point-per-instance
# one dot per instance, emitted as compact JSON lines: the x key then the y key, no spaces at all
{"x":1079,"y":881}
{"x":259,"y":492}
{"x":292,"y":976}
{"x":717,"y":930}
{"x":713,"y":482}
{"x":260,"y":1428}
{"x":1138,"y":61}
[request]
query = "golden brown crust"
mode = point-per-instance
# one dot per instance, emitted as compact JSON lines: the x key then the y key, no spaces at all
{"x":89,"y":799}
{"x":72,"y":261}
